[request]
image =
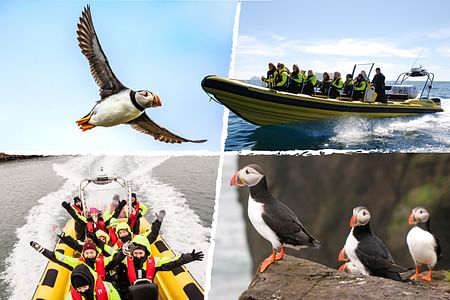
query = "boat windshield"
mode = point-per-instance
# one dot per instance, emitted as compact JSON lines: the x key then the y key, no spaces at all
{"x":104,"y":193}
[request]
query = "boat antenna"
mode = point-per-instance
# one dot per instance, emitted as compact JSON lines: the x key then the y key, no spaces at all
{"x":420,"y":54}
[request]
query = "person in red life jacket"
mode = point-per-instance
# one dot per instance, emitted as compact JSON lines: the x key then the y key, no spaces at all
{"x":138,"y":210}
{"x":94,"y":220}
{"x":87,"y":285}
{"x":140,"y":263}
{"x":77,"y":245}
{"x":79,"y":226}
{"x":89,"y":256}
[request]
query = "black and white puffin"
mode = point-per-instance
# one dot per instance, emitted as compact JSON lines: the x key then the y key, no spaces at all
{"x":366,"y":251}
{"x":272,"y":219}
{"x":118,"y":104}
{"x":423,"y":245}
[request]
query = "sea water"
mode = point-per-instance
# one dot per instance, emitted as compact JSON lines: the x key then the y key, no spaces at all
{"x":424,"y":133}
{"x":32,"y":192}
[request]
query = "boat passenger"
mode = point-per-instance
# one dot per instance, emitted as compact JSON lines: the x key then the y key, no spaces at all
{"x":112,"y":231}
{"x":296,"y":82}
{"x":140,"y":263}
{"x":112,"y":207}
{"x":359,"y":88}
{"x":325,"y":84}
{"x":281,"y":80}
{"x":89,"y":256}
{"x":336,"y":85}
{"x":87,"y":285}
{"x":95,"y":220}
{"x":311,"y":81}
{"x":138,"y":210}
{"x":271,"y":74}
{"x":348,"y":85}
{"x":77,"y":245}
{"x":378,"y":82}
{"x":79,"y":227}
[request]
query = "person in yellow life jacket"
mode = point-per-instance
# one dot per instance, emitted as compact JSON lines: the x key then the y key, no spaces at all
{"x":271,"y":74}
{"x":359,"y":88}
{"x":296,"y":83}
{"x":77,"y":245}
{"x":141,"y":264}
{"x":281,"y":80}
{"x":138,"y":209}
{"x":89,"y":256}
{"x":311,"y":81}
{"x":336,"y":86}
{"x":348,"y":85}
{"x":85,"y":284}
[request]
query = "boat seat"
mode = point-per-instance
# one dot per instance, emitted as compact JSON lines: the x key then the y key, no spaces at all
{"x":143,"y":291}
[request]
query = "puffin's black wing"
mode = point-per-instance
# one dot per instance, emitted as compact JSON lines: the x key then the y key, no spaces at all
{"x":438,"y":248}
{"x":98,"y":63}
{"x":145,"y":125}
{"x":282,"y":220}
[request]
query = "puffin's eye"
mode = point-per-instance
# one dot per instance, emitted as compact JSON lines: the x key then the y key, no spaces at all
{"x":246,"y":171}
{"x":420,"y":211}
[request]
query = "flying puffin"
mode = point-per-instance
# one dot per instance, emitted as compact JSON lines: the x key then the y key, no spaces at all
{"x":118,"y":104}
{"x":272,"y":219}
{"x":423,"y":245}
{"x":366,"y":251}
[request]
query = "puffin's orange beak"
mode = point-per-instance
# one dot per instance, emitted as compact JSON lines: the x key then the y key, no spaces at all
{"x":343,"y":268}
{"x":352,"y":221}
{"x":411,"y":219}
{"x":235,"y":179}
{"x":157,"y":101}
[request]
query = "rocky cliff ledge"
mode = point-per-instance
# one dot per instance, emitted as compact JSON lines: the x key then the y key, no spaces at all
{"x":295,"y":278}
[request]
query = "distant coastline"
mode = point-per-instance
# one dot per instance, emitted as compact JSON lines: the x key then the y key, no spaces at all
{"x":10,"y":157}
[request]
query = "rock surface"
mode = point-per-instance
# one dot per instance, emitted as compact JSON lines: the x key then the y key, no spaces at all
{"x":295,"y":278}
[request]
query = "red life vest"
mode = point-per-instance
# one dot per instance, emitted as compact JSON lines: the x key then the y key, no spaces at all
{"x":112,"y":236}
{"x":93,"y":227}
{"x":133,"y":216}
{"x":100,"y":291}
{"x":149,"y":274}
{"x":77,"y":209}
{"x":99,"y":265}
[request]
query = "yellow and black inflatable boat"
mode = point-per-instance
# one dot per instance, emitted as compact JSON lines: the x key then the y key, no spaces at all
{"x":178,"y":284}
{"x":263,"y":106}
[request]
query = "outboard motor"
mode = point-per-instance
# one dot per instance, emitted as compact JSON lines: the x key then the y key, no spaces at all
{"x":143,"y":289}
{"x":436,"y":100}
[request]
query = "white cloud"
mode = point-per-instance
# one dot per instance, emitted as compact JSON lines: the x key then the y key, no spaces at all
{"x":444,"y":51}
{"x":440,"y":34}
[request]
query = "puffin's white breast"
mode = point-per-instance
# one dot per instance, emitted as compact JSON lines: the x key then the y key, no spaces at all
{"x":350,"y":249}
{"x":421,"y":244}
{"x":115,"y":109}
{"x":255,"y":210}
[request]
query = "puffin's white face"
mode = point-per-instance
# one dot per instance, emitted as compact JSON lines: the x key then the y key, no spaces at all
{"x":246,"y":176}
{"x":418,"y":215}
{"x":147,"y":99}
{"x":361,"y":216}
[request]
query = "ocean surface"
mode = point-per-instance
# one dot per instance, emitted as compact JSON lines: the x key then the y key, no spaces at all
{"x":32,"y":192}
{"x":425,"y":133}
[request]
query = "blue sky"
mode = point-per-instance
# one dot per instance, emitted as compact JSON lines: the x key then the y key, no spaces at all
{"x":162,"y":46}
{"x":334,"y":35}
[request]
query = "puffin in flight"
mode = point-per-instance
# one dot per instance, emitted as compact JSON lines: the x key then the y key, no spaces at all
{"x":272,"y":219}
{"x":366,"y":251}
{"x":423,"y":245}
{"x":118,"y":104}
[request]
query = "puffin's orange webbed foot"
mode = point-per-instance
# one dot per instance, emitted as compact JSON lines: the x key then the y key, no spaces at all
{"x":267,"y":262}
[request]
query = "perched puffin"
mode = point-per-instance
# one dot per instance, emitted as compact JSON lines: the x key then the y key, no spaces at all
{"x":366,"y":251}
{"x":272,"y":219}
{"x":118,"y":104}
{"x":423,"y":245}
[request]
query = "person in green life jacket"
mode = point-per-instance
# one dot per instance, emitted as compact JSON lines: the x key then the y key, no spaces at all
{"x":336,"y":86}
{"x":281,"y":80}
{"x":86,"y":284}
{"x":138,"y":209}
{"x":296,"y":83}
{"x":140,"y":263}
{"x":348,"y":85}
{"x":311,"y":81}
{"x":271,"y":74}
{"x":359,"y":88}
